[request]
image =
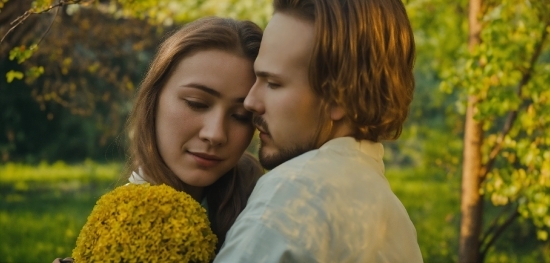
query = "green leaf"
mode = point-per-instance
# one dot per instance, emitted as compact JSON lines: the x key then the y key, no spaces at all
{"x":22,"y":53}
{"x":34,"y":72}
{"x":542,"y":235}
{"x":12,"y":74}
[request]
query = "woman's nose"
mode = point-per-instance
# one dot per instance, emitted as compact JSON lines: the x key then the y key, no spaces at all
{"x":214,"y":130}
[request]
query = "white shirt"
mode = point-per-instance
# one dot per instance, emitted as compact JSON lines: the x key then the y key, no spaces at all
{"x":329,"y":205}
{"x":137,"y":177}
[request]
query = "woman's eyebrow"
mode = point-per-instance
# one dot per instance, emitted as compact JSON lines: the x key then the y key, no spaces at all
{"x":206,"y":89}
{"x":210,"y":91}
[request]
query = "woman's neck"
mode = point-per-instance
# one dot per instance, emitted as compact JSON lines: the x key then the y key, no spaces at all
{"x":195,"y":191}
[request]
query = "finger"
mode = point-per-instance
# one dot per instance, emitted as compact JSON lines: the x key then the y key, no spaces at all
{"x":67,"y":260}
{"x":57,"y":260}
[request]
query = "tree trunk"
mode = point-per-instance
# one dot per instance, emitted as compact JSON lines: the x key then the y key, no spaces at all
{"x":472,"y":201}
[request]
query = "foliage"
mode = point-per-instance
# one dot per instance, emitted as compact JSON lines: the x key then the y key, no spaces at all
{"x":155,"y":12}
{"x":21,"y":53}
{"x":12,"y":74}
{"x":434,"y":129}
{"x":433,"y":121}
{"x":33,"y":133}
{"x":432,"y":199}
{"x":508,"y":72}
{"x":168,"y":11}
{"x":86,"y":58}
{"x":83,"y":93}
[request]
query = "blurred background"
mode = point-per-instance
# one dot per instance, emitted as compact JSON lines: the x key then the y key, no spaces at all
{"x":69,"y":71}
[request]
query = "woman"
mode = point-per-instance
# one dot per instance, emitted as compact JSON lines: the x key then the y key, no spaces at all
{"x":188,"y":128}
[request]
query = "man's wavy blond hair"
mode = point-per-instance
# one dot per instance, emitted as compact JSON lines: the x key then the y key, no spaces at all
{"x":362,"y":60}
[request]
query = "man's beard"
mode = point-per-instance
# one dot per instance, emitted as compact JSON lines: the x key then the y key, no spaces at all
{"x":271,"y":161}
{"x":284,"y":154}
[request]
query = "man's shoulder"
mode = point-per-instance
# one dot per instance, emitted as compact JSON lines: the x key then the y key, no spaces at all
{"x":290,"y":173}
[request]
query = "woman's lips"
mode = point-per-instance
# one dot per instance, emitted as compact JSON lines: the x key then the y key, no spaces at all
{"x":205,"y":160}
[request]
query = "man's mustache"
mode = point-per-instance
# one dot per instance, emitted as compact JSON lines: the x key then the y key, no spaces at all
{"x":260,"y":123}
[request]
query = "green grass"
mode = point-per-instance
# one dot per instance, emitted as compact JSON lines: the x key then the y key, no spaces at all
{"x":14,"y":173}
{"x":43,"y":208}
{"x":434,"y":208}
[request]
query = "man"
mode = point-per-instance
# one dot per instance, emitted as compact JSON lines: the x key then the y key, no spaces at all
{"x":334,"y":78}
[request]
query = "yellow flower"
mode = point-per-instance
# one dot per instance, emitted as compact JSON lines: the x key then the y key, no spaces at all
{"x":145,"y":223}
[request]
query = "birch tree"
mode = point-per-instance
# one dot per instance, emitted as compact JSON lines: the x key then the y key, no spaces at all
{"x":505,"y":76}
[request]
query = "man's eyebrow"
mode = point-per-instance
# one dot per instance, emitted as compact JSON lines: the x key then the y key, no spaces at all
{"x":265,"y":74}
{"x":206,"y":89}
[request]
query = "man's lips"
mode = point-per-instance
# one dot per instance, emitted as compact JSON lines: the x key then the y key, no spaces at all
{"x":264,"y":136}
{"x":261,"y":131}
{"x":260,"y":124}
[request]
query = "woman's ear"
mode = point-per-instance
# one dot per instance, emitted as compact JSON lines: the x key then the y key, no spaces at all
{"x":337,"y":113}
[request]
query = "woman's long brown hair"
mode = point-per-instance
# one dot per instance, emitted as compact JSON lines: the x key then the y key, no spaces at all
{"x":227,"y":197}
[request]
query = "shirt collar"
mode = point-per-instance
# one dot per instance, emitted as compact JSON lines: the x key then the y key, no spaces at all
{"x":370,"y":148}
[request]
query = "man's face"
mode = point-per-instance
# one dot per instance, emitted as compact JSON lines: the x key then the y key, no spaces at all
{"x":286,"y":111}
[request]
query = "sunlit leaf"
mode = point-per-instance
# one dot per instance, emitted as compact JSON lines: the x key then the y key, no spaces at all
{"x":12,"y":74}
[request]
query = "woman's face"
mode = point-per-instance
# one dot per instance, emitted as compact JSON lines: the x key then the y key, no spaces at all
{"x":202,"y":127}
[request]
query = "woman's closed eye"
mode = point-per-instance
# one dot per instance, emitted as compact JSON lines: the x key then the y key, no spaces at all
{"x":195,"y":105}
{"x":243,"y":117}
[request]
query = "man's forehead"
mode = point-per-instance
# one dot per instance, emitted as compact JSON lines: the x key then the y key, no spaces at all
{"x":286,"y":40}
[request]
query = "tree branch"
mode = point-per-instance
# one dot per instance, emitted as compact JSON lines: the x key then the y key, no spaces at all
{"x":7,"y":10}
{"x":512,"y":115}
{"x":494,"y":223}
{"x":19,"y":20}
{"x":498,"y":232}
{"x":49,"y":26}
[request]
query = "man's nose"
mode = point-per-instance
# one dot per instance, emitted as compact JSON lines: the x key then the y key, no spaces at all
{"x":254,"y":100}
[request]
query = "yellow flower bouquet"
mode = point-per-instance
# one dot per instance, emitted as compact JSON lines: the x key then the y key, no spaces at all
{"x":146,"y":223}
